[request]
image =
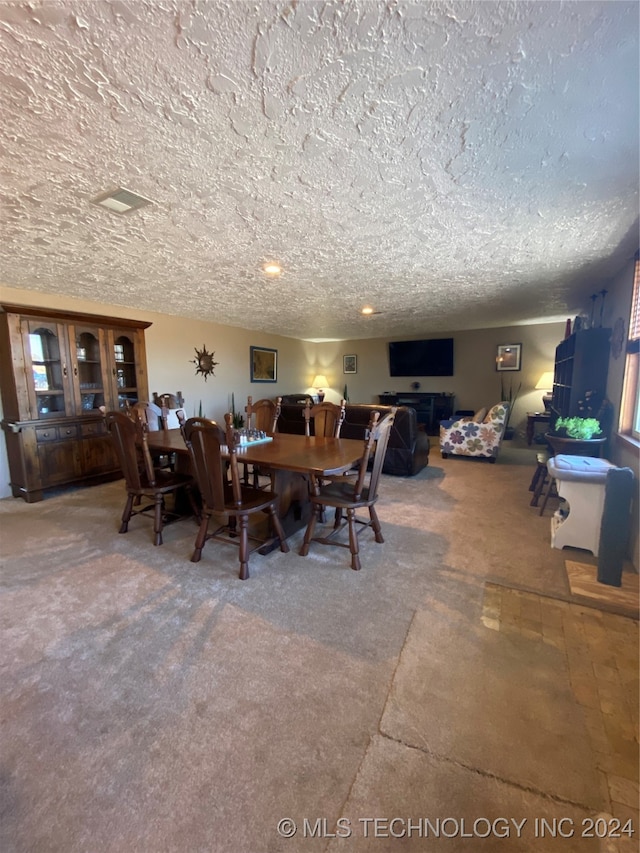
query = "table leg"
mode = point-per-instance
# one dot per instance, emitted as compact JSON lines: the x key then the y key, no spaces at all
{"x":294,"y":505}
{"x":530,"y":429}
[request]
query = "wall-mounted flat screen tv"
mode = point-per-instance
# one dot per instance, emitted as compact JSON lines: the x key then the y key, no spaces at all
{"x":421,"y":358}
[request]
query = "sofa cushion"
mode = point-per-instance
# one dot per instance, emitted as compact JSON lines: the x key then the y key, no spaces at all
{"x":480,"y":415}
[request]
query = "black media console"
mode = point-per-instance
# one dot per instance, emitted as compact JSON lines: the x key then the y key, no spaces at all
{"x":430,"y":408}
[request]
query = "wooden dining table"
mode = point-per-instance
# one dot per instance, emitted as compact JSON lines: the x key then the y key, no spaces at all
{"x":294,"y":459}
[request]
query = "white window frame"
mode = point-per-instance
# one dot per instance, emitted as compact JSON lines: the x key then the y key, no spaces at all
{"x":630,"y":408}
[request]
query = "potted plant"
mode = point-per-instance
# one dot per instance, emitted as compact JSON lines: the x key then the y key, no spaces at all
{"x":238,"y":418}
{"x":576,"y":436}
{"x":581,"y":428}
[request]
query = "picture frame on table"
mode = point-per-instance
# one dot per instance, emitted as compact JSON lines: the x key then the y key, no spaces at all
{"x":264,"y":364}
{"x":349,"y":363}
{"x":509,"y":357}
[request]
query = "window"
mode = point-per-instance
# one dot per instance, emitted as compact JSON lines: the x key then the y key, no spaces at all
{"x":630,"y":409}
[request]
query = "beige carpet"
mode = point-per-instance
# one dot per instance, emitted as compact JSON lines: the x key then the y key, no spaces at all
{"x":153,"y":704}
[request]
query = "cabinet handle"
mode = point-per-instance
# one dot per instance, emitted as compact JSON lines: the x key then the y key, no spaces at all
{"x":114,"y":371}
{"x":64,"y":369}
{"x":75,"y":369}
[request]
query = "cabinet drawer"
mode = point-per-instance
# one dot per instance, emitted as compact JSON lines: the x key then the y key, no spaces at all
{"x":70,"y":431}
{"x":56,"y":433}
{"x":46,"y":434}
{"x":94,"y":428}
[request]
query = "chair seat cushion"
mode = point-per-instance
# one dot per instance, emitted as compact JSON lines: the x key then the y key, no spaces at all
{"x":585,"y":469}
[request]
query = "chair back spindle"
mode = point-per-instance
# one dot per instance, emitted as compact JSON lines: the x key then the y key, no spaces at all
{"x":182,"y":419}
{"x":164,"y":417}
{"x":233,"y":459}
{"x":147,"y":461}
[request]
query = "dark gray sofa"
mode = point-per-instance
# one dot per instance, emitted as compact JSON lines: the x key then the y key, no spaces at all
{"x":408,"y":448}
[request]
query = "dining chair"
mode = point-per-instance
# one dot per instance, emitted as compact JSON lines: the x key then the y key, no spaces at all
{"x":153,"y":418}
{"x":229,"y":497}
{"x":327,"y":421}
{"x":327,"y":418}
{"x":142,"y":478}
{"x":262,"y":415}
{"x":168,"y":405}
{"x":146,"y":412}
{"x":350,"y":496}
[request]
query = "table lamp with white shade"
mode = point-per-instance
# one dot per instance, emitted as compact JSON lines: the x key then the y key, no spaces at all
{"x":319,"y":383}
{"x":545,"y":383}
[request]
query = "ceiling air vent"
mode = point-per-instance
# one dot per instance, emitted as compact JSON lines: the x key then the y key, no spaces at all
{"x":121,"y":200}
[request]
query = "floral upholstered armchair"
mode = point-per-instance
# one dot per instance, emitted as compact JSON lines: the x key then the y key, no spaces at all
{"x":479,"y":435}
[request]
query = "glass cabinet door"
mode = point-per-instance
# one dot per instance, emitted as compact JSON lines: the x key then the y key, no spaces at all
{"x":88,"y":369}
{"x":125,"y":370}
{"x":50,"y":393}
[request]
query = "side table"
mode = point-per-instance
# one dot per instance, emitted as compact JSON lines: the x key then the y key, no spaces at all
{"x":534,"y":418}
{"x":581,"y":482}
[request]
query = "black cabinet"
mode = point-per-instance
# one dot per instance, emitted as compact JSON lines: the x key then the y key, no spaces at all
{"x":431,"y":408}
{"x":580,"y":375}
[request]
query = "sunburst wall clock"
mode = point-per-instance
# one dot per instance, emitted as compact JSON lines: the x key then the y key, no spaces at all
{"x":204,"y":362}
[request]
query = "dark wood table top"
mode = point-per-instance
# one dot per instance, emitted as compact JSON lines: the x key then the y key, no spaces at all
{"x":307,"y":455}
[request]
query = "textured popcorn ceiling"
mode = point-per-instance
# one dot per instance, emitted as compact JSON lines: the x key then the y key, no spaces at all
{"x":452,"y":164}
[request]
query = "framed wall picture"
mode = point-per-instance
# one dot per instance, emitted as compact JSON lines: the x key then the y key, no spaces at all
{"x":509,"y":357}
{"x":349,"y":363}
{"x":264,"y":364}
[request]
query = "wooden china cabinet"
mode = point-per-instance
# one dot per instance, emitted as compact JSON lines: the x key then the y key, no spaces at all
{"x":56,"y":370}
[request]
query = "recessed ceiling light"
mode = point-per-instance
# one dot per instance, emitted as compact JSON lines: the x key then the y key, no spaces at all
{"x":272,"y":269}
{"x":367,"y":310}
{"x":121,"y":200}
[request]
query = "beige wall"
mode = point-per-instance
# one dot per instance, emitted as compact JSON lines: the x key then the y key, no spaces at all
{"x":475,"y":382}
